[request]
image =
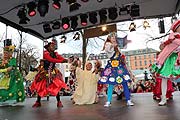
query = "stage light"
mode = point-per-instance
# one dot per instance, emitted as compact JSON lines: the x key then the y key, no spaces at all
{"x":56,"y":4}
{"x":93,"y":17}
{"x":99,"y":0}
{"x":132,"y":27}
{"x":83,"y":19}
{"x":76,"y":36}
{"x":43,"y":7}
{"x":104,"y":28}
{"x":47,"y":28}
{"x":63,"y":39}
{"x":103,"y":17}
{"x":124,"y":10}
{"x":112,"y":13}
{"x":146,"y":24}
{"x":22,"y":16}
{"x":70,"y":1}
{"x":65,"y":23}
{"x":74,"y":22}
{"x":31,"y":8}
{"x":161,"y":26}
{"x":74,"y":6}
{"x":134,"y":10}
{"x":56,"y":25}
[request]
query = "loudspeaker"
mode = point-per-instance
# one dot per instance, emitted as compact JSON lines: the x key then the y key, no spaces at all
{"x":161,"y":26}
{"x":7,"y":42}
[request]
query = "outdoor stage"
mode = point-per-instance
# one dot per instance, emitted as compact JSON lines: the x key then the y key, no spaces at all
{"x":145,"y":109}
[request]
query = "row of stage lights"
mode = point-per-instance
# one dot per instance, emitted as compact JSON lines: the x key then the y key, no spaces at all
{"x":42,"y":7}
{"x":72,"y":22}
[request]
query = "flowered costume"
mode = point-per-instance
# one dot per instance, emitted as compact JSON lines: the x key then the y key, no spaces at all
{"x":49,"y":80}
{"x":11,"y":84}
{"x":115,"y":71}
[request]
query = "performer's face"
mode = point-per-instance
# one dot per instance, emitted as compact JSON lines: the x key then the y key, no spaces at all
{"x":113,"y":40}
{"x":7,"y":55}
{"x":51,"y":47}
{"x":88,"y":66}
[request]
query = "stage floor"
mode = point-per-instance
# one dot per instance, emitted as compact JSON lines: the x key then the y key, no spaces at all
{"x":145,"y":109}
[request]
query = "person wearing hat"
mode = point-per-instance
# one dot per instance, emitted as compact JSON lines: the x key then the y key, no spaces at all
{"x":168,"y":61}
{"x":49,"y":79}
{"x":11,"y":81}
{"x":115,"y":72}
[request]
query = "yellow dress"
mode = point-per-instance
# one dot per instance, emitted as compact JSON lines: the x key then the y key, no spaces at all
{"x":87,"y":87}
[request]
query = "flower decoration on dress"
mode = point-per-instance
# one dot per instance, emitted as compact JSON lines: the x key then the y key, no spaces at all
{"x":119,"y":79}
{"x":115,"y":63}
{"x":103,"y":79}
{"x":120,"y":71}
{"x":111,"y":79}
{"x":126,"y":77}
{"x":107,"y":71}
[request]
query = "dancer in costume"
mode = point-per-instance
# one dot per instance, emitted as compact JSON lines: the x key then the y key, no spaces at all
{"x":168,"y":61}
{"x":115,"y":71}
{"x":49,"y":79}
{"x":11,"y":81}
{"x":87,"y":85}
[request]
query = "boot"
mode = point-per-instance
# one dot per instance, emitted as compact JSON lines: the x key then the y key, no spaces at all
{"x":59,"y":104}
{"x":130,"y":103}
{"x":36,"y":104}
{"x":163,"y":101}
{"x":107,"y":104}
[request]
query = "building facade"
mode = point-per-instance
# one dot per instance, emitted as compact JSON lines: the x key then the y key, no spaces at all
{"x":136,"y":59}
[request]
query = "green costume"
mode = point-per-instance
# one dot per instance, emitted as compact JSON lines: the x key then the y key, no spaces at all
{"x":11,"y":84}
{"x":168,"y":69}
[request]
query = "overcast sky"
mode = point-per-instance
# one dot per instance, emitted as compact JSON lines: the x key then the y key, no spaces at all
{"x":139,"y":38}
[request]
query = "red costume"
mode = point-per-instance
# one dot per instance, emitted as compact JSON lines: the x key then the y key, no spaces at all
{"x":49,"y":79}
{"x":157,"y":89}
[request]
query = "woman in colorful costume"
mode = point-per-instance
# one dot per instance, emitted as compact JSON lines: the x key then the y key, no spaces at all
{"x":115,"y":71}
{"x":11,"y":81}
{"x":168,"y":61}
{"x":49,"y":79}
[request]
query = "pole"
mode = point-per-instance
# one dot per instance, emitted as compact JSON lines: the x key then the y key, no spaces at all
{"x":20,"y":50}
{"x":83,"y":49}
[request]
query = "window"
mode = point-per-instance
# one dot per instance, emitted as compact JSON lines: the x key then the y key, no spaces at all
{"x":145,"y":62}
{"x":144,"y":56}
{"x":140,"y":62}
{"x":135,"y":63}
{"x":135,"y":57}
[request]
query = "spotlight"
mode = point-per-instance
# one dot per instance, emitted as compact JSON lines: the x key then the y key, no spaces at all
{"x":134,"y":10}
{"x":74,"y":22}
{"x":22,"y":16}
{"x":47,"y":28}
{"x":146,"y":24}
{"x":76,"y":36}
{"x":161,"y":26}
{"x":112,"y":13}
{"x":56,"y":25}
{"x":31,"y":6}
{"x":124,"y":10}
{"x":65,"y":23}
{"x":63,"y":39}
{"x":103,"y":17}
{"x":99,"y":0}
{"x":93,"y":17}
{"x":104,"y":28}
{"x":74,"y":6}
{"x":56,"y":4}
{"x":132,"y":27}
{"x":83,"y":19}
{"x":71,"y":1}
{"x":43,"y":6}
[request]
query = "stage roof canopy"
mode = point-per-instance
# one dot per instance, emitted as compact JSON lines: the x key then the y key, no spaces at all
{"x":12,"y":11}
